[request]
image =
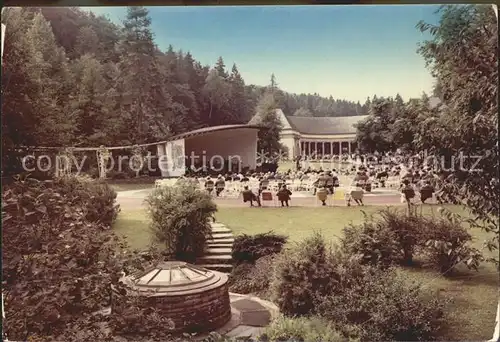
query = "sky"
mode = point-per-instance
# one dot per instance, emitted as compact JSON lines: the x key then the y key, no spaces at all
{"x":348,"y":52}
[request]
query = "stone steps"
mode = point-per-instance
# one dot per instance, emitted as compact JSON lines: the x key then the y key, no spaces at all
{"x":218,"y":236}
{"x":219,"y":245}
{"x":225,"y":268}
{"x":215,"y":259}
{"x":221,"y":241}
{"x":218,"y":251}
{"x":220,"y":230}
{"x":219,"y":248}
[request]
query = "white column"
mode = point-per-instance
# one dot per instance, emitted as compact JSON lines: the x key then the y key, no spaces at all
{"x":331,"y":149}
{"x":322,"y":149}
{"x":349,"y":147}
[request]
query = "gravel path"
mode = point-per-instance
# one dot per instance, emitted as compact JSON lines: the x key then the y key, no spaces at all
{"x":133,"y":200}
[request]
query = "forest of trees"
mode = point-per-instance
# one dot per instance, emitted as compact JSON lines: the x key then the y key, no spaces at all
{"x":71,"y":78}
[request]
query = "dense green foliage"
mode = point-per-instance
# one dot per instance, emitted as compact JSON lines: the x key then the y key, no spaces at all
{"x":96,"y":197}
{"x":391,"y":238}
{"x":180,"y":219}
{"x":299,"y":275}
{"x":314,"y":329}
{"x":79,"y":79}
{"x":373,"y":242}
{"x":375,"y":306}
{"x":446,"y":244}
{"x":361,"y":302}
{"x":252,"y":278}
{"x":250,"y":248}
{"x":58,"y":262}
{"x":462,"y":55}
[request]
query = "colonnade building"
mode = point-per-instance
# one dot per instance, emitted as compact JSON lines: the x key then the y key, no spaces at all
{"x":318,"y":136}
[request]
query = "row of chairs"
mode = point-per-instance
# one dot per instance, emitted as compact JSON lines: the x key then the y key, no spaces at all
{"x":233,"y":189}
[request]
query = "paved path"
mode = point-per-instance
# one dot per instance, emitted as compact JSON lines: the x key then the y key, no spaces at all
{"x":134,"y":199}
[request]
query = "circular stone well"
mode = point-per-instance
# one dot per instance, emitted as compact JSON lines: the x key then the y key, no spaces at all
{"x":194,"y":298}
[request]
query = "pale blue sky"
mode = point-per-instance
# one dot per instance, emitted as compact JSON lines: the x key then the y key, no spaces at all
{"x":349,"y":52}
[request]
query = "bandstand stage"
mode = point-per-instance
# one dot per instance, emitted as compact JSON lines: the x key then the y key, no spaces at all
{"x":211,"y":148}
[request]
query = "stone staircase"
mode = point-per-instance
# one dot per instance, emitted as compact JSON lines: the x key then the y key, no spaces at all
{"x":218,"y":253}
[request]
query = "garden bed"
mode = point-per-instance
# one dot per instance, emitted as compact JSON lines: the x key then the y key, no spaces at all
{"x":473,"y":295}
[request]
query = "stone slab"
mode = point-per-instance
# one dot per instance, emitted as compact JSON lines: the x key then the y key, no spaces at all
{"x":246,"y":304}
{"x":216,"y":257}
{"x":221,"y":230}
{"x":219,"y":245}
{"x":252,"y":313}
{"x":217,"y":236}
{"x":256,"y":318}
{"x":218,"y":225}
{"x":221,"y":241}
{"x":212,"y":250}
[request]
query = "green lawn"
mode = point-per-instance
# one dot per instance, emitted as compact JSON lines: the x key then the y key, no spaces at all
{"x":471,"y":311}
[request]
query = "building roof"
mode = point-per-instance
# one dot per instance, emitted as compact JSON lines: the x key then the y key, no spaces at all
{"x":325,"y":125}
{"x":211,"y":129}
{"x":186,"y":135}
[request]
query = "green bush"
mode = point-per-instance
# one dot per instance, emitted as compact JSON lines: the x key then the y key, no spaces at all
{"x":180,"y":219}
{"x":249,"y":248}
{"x":407,"y":230}
{"x":57,"y":266}
{"x":361,"y":301}
{"x":382,"y":306}
{"x":252,"y":278}
{"x":445,"y":244}
{"x":311,"y":329}
{"x":394,"y":236}
{"x":373,"y":241}
{"x":301,"y":273}
{"x":95,"y":197}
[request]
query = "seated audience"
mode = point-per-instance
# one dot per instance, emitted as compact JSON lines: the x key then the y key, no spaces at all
{"x":284,"y":195}
{"x":220,"y":184}
{"x":249,"y":196}
{"x":209,"y":185}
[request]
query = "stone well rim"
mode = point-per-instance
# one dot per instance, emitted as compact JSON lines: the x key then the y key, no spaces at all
{"x":174,"y":278}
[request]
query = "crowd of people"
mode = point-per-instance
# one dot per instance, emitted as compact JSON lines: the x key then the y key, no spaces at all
{"x":417,"y":181}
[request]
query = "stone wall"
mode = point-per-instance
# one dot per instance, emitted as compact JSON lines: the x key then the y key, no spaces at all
{"x":197,"y":312}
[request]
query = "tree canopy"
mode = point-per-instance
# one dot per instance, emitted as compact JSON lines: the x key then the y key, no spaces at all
{"x":72,"y":78}
{"x":462,"y":55}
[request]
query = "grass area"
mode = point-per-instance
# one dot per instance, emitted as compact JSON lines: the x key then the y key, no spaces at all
{"x":473,"y":296}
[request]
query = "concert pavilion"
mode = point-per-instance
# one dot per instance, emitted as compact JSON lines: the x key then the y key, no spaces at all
{"x":317,"y":136}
